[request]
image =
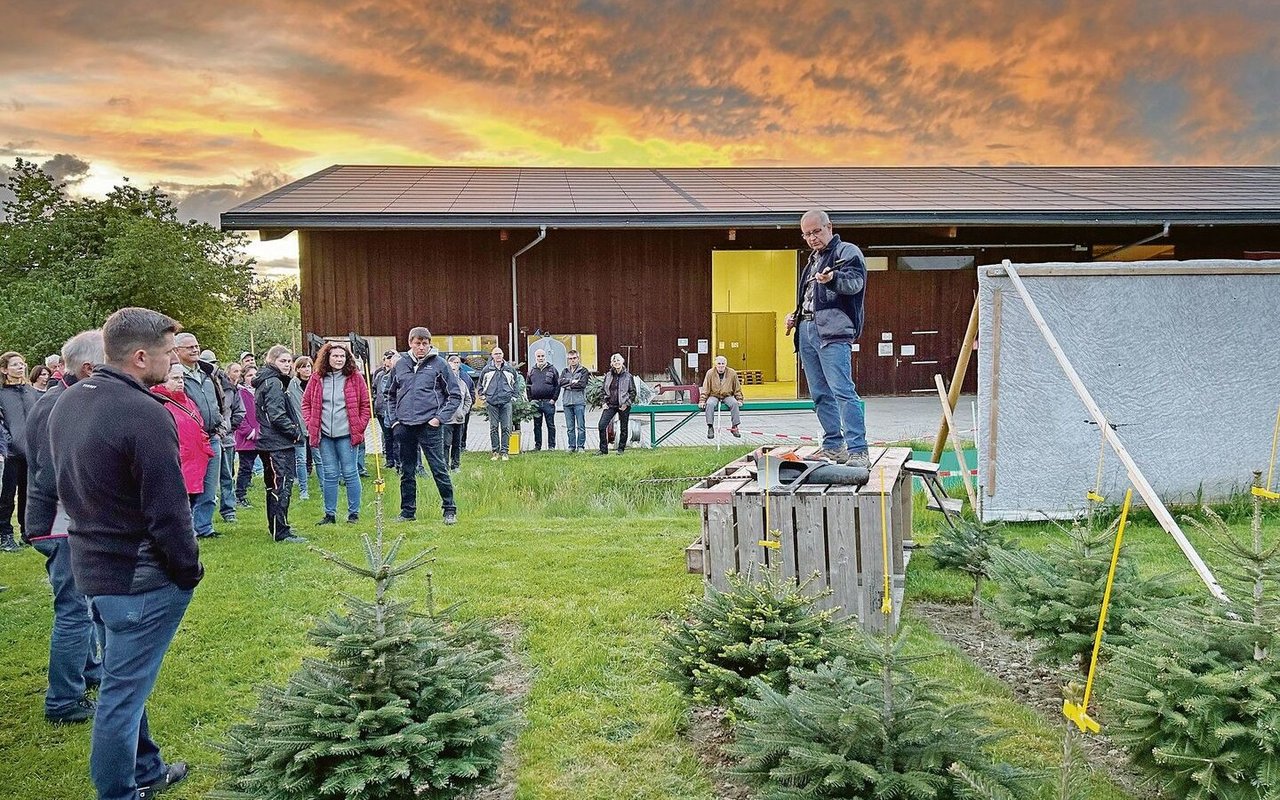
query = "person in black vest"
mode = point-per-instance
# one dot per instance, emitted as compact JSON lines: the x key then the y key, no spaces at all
{"x":424,"y":394}
{"x":544,"y":390}
{"x":74,"y":647}
{"x":281,"y":433}
{"x":133,"y":549}
{"x":619,"y":393}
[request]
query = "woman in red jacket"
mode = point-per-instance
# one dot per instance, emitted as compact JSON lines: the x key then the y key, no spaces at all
{"x":194,"y":450}
{"x":336,"y":410}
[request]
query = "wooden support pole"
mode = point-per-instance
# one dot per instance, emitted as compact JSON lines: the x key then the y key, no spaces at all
{"x":1139,"y":480}
{"x":957,"y":381}
{"x":993,"y":409}
{"x":955,"y":442}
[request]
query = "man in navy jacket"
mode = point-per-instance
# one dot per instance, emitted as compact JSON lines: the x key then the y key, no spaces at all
{"x":133,"y":549}
{"x":424,"y":394}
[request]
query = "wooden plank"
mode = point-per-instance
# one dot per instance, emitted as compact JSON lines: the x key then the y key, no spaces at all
{"x":957,"y":377}
{"x":806,"y":452}
{"x":842,"y":553}
{"x":1135,"y":474}
{"x":748,"y":508}
{"x":722,"y":557}
{"x":782,"y":520}
{"x":695,"y":560}
{"x":719,"y":494}
{"x":871,"y":562}
{"x":993,"y":410}
{"x":900,"y":506}
{"x":810,"y":516}
{"x":955,"y":444}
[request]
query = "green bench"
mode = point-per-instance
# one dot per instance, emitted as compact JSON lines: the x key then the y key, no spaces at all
{"x":690,"y":410}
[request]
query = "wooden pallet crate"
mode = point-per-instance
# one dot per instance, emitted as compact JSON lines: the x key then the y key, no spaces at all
{"x":831,"y":536}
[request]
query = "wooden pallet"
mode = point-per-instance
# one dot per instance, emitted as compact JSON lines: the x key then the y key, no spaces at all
{"x":832,"y":534}
{"x":751,"y":377}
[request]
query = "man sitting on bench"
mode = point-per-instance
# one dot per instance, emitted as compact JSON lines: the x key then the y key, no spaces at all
{"x":721,"y":386}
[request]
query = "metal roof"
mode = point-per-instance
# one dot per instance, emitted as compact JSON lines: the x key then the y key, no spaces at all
{"x":351,"y":196}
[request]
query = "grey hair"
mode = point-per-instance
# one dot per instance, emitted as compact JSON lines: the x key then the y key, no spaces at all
{"x":132,"y":329}
{"x":52,"y":359}
{"x":816,"y":213}
{"x":275,"y":352}
{"x":185,"y":336}
{"x":419,"y":332}
{"x":83,"y":348}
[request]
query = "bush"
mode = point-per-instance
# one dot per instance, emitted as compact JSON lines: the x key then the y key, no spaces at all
{"x":864,"y":726}
{"x":753,"y":630}
{"x":1197,"y":691}
{"x":1055,"y":598}
{"x":967,"y":546}
{"x":401,"y":705}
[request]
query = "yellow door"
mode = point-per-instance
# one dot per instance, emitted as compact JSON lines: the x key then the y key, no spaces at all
{"x":748,"y":342}
{"x":731,"y":330}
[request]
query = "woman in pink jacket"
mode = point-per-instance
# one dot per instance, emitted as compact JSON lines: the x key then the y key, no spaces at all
{"x":336,"y":410}
{"x":247,"y":437}
{"x":194,"y":450}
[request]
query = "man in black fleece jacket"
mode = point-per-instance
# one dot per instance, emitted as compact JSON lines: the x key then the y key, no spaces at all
{"x":133,"y":548}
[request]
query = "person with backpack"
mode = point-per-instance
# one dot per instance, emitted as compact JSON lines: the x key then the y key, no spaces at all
{"x":336,"y":410}
{"x":455,"y":433}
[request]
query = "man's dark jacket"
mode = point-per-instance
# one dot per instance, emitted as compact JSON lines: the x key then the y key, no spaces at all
{"x":115,"y":452}
{"x":837,"y":305}
{"x":42,"y":481}
{"x":544,"y":382}
{"x":278,"y":416}
{"x":421,"y":391}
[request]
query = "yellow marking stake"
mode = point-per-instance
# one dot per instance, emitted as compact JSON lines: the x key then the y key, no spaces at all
{"x":1078,"y":712}
{"x":1095,"y":497}
{"x":771,"y":544}
{"x":886,"y":606}
{"x":1265,"y":494}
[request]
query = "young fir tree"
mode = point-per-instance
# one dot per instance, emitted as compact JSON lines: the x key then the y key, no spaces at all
{"x":758,"y":628}
{"x":1196,"y":694}
{"x":864,"y":726}
{"x":967,"y":546}
{"x":401,"y":705}
{"x":1055,"y":597}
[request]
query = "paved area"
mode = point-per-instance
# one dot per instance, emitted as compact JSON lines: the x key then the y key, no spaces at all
{"x":889,"y":419}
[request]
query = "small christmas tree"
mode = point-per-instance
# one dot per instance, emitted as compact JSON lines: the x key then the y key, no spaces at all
{"x":1197,"y":691}
{"x":966,"y":546}
{"x":865,"y":726}
{"x":1055,"y":598}
{"x":758,"y":628}
{"x":402,"y":705}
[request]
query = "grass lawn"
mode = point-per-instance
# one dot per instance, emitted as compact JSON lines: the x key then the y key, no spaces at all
{"x":585,"y":563}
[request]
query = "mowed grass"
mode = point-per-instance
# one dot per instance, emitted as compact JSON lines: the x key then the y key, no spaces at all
{"x":580,"y":559}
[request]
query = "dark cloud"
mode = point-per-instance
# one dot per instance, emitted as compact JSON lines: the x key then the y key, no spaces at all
{"x":204,"y":203}
{"x":66,"y":168}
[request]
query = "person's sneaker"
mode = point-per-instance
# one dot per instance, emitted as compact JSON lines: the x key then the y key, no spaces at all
{"x":734,"y":431}
{"x":229,"y":517}
{"x":711,"y":432}
{"x":493,"y":457}
{"x":8,"y":545}
{"x":83,"y":711}
{"x":353,"y":517}
{"x":862,"y":459}
{"x":243,"y":504}
{"x":304,"y":496}
{"x":293,"y":538}
{"x":450,"y":517}
{"x":363,"y":473}
{"x":329,"y":519}
{"x":402,"y":518}
{"x":834,"y":456}
{"x":209,"y":535}
{"x":177,"y":774}
{"x":506,"y":457}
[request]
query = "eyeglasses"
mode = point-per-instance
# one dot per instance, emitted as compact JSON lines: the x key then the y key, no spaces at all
{"x":813,"y":233}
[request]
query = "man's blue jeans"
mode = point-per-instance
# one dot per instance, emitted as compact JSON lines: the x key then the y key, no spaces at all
{"x":205,"y":502}
{"x":422,"y":437}
{"x":338,"y":459}
{"x":547,"y":413}
{"x":575,"y":422}
{"x":829,"y":371}
{"x":139,"y":627}
{"x":73,"y":645}
{"x":300,"y":468}
{"x":499,"y":428}
{"x":227,"y":497}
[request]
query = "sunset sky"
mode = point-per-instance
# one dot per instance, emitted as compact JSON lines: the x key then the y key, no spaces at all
{"x":219,"y":102}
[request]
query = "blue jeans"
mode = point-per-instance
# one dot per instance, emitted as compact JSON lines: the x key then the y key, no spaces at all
{"x":547,"y":413}
{"x":829,"y":371}
{"x":73,"y":646}
{"x":389,"y":446}
{"x":499,"y":427}
{"x":575,"y":422}
{"x":202,"y":507}
{"x":338,"y":456}
{"x":139,"y":627}
{"x":431,"y":441}
{"x":227,"y":497}
{"x":300,"y":456}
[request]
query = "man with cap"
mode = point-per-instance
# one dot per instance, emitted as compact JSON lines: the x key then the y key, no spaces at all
{"x":382,"y":409}
{"x":204,"y":388}
{"x":233,"y":413}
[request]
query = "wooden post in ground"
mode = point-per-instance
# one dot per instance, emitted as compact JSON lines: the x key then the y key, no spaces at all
{"x":957,"y":382}
{"x":955,"y":442}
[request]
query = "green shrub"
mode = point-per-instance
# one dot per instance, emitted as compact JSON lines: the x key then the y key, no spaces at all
{"x":1055,"y":598}
{"x":755,"y":629}
{"x":966,"y":546}
{"x":1196,"y":694}
{"x":401,"y":705}
{"x":864,"y":726}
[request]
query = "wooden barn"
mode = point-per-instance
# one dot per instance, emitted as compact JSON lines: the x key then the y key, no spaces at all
{"x":676,"y":266}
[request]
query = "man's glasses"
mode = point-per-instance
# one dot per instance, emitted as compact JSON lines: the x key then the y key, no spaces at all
{"x":813,"y":233}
